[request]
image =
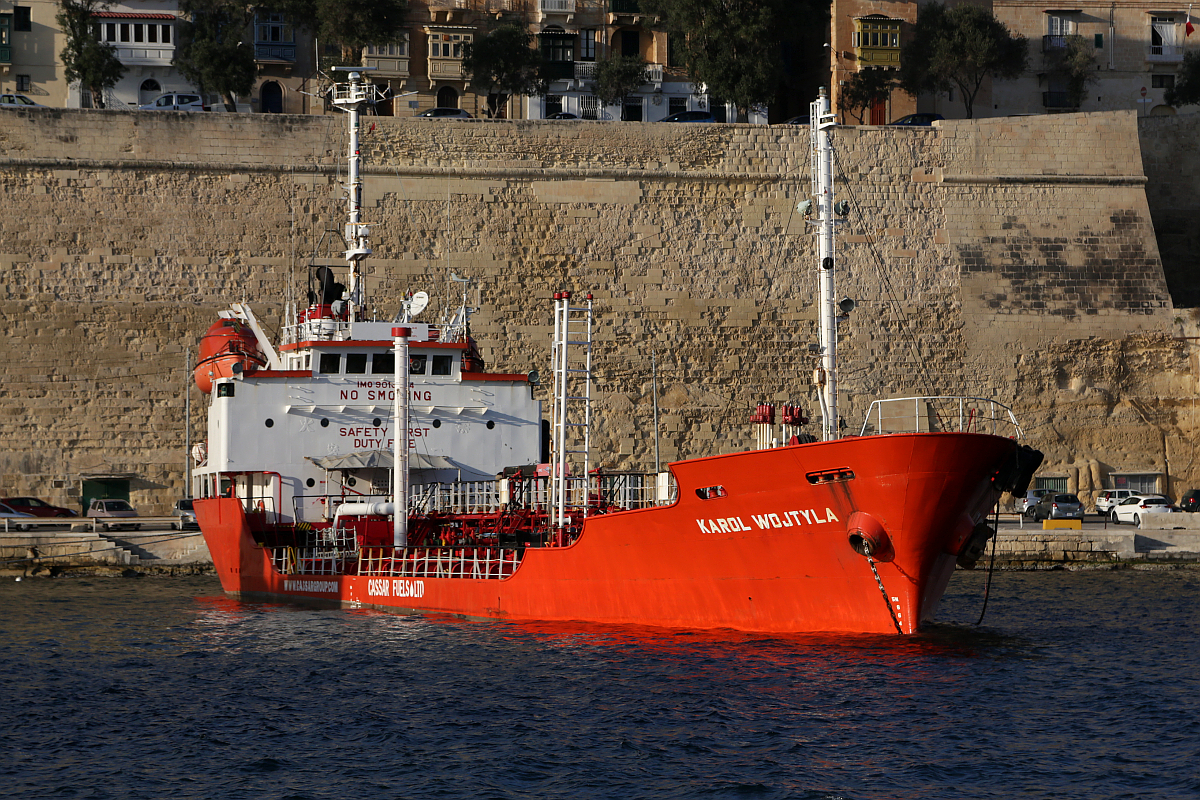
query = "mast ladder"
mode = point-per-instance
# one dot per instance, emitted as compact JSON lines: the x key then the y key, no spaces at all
{"x":571,"y":439}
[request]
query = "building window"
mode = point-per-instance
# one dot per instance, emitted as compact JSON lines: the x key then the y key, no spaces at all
{"x":589,"y":106}
{"x":1052,"y":483}
{"x":587,"y":44}
{"x":272,"y":29}
{"x":1162,"y":81}
{"x":1163,"y":39}
{"x":877,"y":41}
{"x":1143,"y":483}
{"x":1059,"y":25}
{"x":631,"y":43}
{"x":393,"y":49}
{"x":558,"y":47}
{"x":137,"y":32}
{"x":22,"y":18}
{"x":676,"y":104}
{"x":554,"y":104}
{"x":24,"y":83}
{"x":447,"y":45}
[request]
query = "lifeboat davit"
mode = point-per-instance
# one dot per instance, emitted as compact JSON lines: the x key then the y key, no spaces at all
{"x":228,"y":348}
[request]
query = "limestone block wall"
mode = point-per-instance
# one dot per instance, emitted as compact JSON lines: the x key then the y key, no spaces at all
{"x":1003,"y":259}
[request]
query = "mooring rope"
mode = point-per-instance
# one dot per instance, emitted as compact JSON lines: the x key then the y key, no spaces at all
{"x":987,"y":588}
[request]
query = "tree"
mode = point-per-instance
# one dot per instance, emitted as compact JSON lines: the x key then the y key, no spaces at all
{"x":732,"y":47}
{"x":353,"y":24}
{"x":87,"y":60}
{"x":1186,"y":90}
{"x":1074,"y":66}
{"x":958,"y":48}
{"x":502,"y":63}
{"x":865,"y":89}
{"x":618,"y":77}
{"x":214,"y":51}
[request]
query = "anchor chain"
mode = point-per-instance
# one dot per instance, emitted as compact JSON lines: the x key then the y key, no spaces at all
{"x":886,"y":600}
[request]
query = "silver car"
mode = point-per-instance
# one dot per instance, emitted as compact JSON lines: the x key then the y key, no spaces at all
{"x":185,"y":515}
{"x":176,"y":101}
{"x":111,"y":511}
{"x":1058,"y":505}
{"x":1031,"y":499}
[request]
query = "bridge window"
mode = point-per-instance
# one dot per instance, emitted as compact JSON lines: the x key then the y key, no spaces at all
{"x":330,"y":363}
{"x":441,"y":365}
{"x":416,"y":364}
{"x":356,"y":363}
{"x":384,"y":363}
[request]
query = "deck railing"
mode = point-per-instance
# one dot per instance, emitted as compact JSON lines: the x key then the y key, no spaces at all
{"x":940,"y":415}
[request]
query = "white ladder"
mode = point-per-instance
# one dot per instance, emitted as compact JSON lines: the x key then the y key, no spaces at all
{"x":571,"y":362}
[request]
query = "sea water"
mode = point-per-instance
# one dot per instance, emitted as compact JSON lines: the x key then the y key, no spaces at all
{"x":1077,"y":685}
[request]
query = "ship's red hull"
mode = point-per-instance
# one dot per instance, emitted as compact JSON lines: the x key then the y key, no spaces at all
{"x":768,"y":551}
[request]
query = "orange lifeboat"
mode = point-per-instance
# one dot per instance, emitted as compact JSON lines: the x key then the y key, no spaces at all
{"x":228,"y":343}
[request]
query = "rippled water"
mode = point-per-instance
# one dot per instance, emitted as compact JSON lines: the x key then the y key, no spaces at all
{"x":1079,"y":685}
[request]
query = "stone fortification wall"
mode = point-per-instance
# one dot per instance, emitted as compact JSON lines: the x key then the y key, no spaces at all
{"x":1003,"y":259}
{"x":1171,"y":158}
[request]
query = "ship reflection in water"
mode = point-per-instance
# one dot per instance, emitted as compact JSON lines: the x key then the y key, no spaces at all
{"x":1079,"y":685}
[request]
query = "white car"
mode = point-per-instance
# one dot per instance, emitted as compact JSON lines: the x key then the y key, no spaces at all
{"x":1109,"y":498}
{"x":9,"y":517}
{"x":1134,"y":507}
{"x":17,"y":101}
{"x":176,"y":101}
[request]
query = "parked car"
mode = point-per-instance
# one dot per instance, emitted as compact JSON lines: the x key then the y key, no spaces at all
{"x":1190,"y":501}
{"x":185,"y":515}
{"x":113,"y":510}
{"x":1109,"y":498}
{"x":1031,"y":499}
{"x":38,"y":508}
{"x":176,"y":101}
{"x":10,"y":514}
{"x":802,"y":119}
{"x":920,"y":118}
{"x":17,"y":101}
{"x":1133,"y":508}
{"x":1057,"y":505}
{"x":444,"y":113}
{"x":691,"y":116}
{"x":563,"y":115}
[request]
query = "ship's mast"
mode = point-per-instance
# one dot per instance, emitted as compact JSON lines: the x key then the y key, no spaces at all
{"x":352,"y":97}
{"x":821,"y":122}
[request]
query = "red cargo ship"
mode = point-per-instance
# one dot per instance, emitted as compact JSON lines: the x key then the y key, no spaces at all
{"x":297,"y":487}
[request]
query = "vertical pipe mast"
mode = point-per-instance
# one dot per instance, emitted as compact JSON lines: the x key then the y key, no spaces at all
{"x":352,"y":97}
{"x":400,"y":439}
{"x":822,"y":121}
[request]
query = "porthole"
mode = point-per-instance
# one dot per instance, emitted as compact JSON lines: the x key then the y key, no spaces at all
{"x":437,"y":423}
{"x":377,"y":422}
{"x":324,"y":423}
{"x":270,"y":423}
{"x":310,"y":483}
{"x":491,"y":424}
